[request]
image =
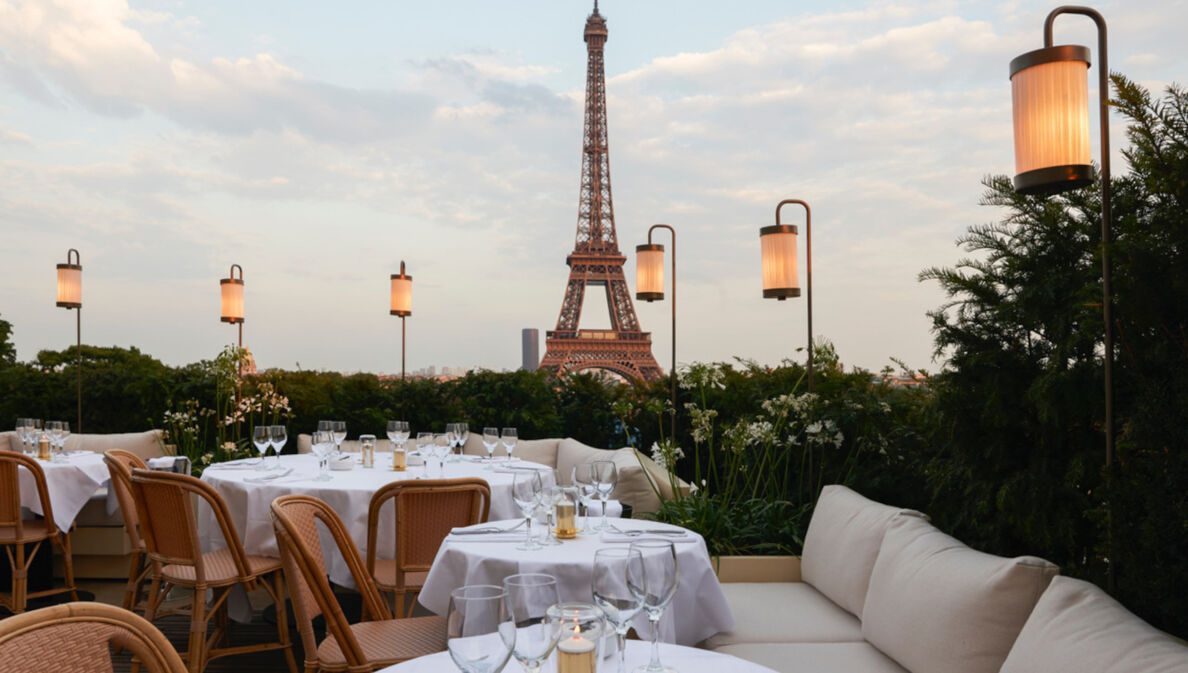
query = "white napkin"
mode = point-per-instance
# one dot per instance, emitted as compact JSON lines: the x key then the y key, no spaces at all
{"x":346,"y":462}
{"x":609,"y":536}
{"x":614,"y":509}
{"x":162,"y":463}
{"x":512,"y":536}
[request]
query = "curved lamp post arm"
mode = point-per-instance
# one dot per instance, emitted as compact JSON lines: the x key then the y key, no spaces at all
{"x":673,"y":371}
{"x":808,"y":272}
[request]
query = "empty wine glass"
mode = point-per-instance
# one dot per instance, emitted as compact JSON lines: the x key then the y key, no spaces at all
{"x":277,"y":436}
{"x":64,"y":431}
{"x":526,"y":494}
{"x":582,"y":477}
{"x":54,"y":430}
{"x":441,"y":449}
{"x":611,"y":593}
{"x":480,"y":631}
{"x":529,"y":597}
{"x":425,"y":449}
{"x":549,"y":495}
{"x":262,"y":439}
{"x":509,"y":441}
{"x":451,"y":435}
{"x":490,"y":441}
{"x":340,"y":432}
{"x":462,"y":432}
{"x":654,"y":582}
{"x":22,"y":434}
{"x":606,"y":477}
{"x":322,"y":443}
{"x":398,"y":432}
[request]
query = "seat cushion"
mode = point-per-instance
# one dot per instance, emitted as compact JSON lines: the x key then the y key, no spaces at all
{"x":937,"y":606}
{"x":385,"y":575}
{"x":815,"y":657}
{"x":388,"y":642}
{"x":219,"y":568}
{"x":1077,"y":628}
{"x":783,"y":612}
{"x":145,"y":444}
{"x":842,"y":543}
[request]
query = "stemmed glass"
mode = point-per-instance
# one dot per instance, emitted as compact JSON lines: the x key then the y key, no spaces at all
{"x":509,"y":442}
{"x":462,"y":433}
{"x":339,"y":430}
{"x":397,"y":433}
{"x":529,"y":597}
{"x":277,"y":436}
{"x":451,"y":435}
{"x":611,"y":592}
{"x":606,"y":477}
{"x":262,"y":439}
{"x":323,"y":446}
{"x":582,"y":477}
{"x":549,"y":495}
{"x":64,"y":434}
{"x":22,"y":430}
{"x":654,"y":581}
{"x":441,"y":449}
{"x":490,"y":441}
{"x":526,"y":494}
{"x":480,"y":631}
{"x":54,"y":429}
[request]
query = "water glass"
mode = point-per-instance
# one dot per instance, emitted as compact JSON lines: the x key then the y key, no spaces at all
{"x":340,"y":433}
{"x":490,"y":441}
{"x":549,"y":497}
{"x":526,"y":490}
{"x":480,"y":631}
{"x":462,"y":431}
{"x":606,"y":477}
{"x":451,"y":435}
{"x":509,"y":440}
{"x":323,"y":446}
{"x":441,"y":449}
{"x":582,"y":477}
{"x":277,"y":436}
{"x":654,"y":582}
{"x":529,"y":597}
{"x":262,"y":439}
{"x":397,"y":432}
{"x":611,"y":593}
{"x":54,"y":430}
{"x":64,"y":434}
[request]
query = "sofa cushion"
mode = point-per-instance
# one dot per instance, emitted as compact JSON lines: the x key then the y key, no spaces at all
{"x":145,"y":444}
{"x":9,"y":441}
{"x":783,"y":612}
{"x":842,"y":543}
{"x":640,"y":478}
{"x":1077,"y":628}
{"x":857,"y":657}
{"x":936,"y":606}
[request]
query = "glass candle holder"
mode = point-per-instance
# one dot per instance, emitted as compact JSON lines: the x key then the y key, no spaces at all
{"x":367,"y":446}
{"x":567,"y":505}
{"x":581,"y":636}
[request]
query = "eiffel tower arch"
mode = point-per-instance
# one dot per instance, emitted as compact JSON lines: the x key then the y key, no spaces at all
{"x":596,"y":261}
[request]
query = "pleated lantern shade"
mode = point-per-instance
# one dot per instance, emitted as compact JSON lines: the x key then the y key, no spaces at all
{"x":649,"y":272}
{"x":401,"y":293}
{"x":1050,"y":98}
{"x":231,"y":290}
{"x":781,"y":277}
{"x":70,"y":285}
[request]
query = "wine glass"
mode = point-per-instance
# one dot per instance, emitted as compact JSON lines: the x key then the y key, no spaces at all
{"x":398,"y":432}
{"x":441,"y":449}
{"x":526,"y":494}
{"x":322,"y":443}
{"x":490,"y":441}
{"x":22,"y":434}
{"x":462,"y":432}
{"x":529,"y":597}
{"x":277,"y":436}
{"x":65,"y":434}
{"x":611,"y":593}
{"x":480,"y":631}
{"x":451,"y":435}
{"x":606,"y":477}
{"x":339,"y":430}
{"x":509,"y":442}
{"x":54,"y":429}
{"x":654,"y":581}
{"x":582,"y":476}
{"x":549,"y":495}
{"x":424,"y":448}
{"x":262,"y":439}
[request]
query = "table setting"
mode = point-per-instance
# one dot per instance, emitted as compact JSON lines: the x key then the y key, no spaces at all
{"x":71,"y":477}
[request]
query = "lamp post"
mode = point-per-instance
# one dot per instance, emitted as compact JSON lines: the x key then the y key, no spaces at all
{"x":1050,"y":99}
{"x":70,"y":297}
{"x":649,"y":286}
{"x":232,"y":300}
{"x":781,"y":275}
{"x":401,"y":305}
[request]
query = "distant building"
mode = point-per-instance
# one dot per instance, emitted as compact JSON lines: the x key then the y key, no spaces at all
{"x":531,"y":345}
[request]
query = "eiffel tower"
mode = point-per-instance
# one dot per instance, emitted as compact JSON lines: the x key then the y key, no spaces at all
{"x":596,"y":261}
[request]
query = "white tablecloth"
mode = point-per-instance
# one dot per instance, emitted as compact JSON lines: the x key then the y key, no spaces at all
{"x":70,"y":483}
{"x":349,"y":492}
{"x":698,"y":611}
{"x":683,"y":659}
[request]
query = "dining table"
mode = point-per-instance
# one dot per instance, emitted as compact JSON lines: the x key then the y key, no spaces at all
{"x":678,"y":657}
{"x":698,"y":609}
{"x":71,"y":479}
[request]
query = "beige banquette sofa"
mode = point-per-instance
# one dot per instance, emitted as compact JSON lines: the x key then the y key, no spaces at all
{"x":884,"y":591}
{"x":98,"y":542}
{"x":640,"y":478}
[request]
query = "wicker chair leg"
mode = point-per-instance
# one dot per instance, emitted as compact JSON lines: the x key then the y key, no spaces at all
{"x":282,"y":619}
{"x":20,"y":579}
{"x":63,"y":541}
{"x":135,"y":577}
{"x":400,"y":611}
{"x":196,"y":656}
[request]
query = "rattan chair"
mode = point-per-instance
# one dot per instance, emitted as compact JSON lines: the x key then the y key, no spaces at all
{"x":374,"y":643}
{"x":426,"y":510}
{"x":165,"y":507}
{"x":16,"y":534}
{"x":80,"y":637}
{"x":120,"y":464}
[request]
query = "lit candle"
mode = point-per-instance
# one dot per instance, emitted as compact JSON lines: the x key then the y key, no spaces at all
{"x":566,"y":521}
{"x":398,"y":457}
{"x":576,"y":653}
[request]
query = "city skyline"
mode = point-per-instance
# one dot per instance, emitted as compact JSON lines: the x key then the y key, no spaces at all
{"x":168,"y":140}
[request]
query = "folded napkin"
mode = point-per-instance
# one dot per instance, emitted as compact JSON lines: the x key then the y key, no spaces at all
{"x":271,"y":476}
{"x":614,"y":509}
{"x":513,"y":536}
{"x":162,"y":463}
{"x":343,"y":462}
{"x":609,"y":536}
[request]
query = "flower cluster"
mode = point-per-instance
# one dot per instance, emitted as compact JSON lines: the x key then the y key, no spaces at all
{"x":701,"y":375}
{"x":666,"y":454}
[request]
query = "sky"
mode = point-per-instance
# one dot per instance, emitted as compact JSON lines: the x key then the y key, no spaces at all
{"x":319,"y":144}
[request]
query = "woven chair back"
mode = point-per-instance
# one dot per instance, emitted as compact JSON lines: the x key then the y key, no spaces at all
{"x":120,"y":464}
{"x":426,"y":510}
{"x":295,"y":519}
{"x":79,"y":637}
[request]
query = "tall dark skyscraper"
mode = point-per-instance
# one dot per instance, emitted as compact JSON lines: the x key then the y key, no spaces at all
{"x":531,"y":339}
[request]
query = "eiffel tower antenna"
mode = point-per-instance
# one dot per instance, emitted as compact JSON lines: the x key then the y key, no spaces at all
{"x":596,"y":261}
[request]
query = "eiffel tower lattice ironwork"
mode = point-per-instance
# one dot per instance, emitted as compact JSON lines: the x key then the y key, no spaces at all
{"x":596,"y":260}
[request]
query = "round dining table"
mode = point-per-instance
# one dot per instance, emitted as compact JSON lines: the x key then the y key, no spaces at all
{"x":679,"y":657}
{"x":249,"y":492}
{"x":698,"y":609}
{"x":71,"y":480}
